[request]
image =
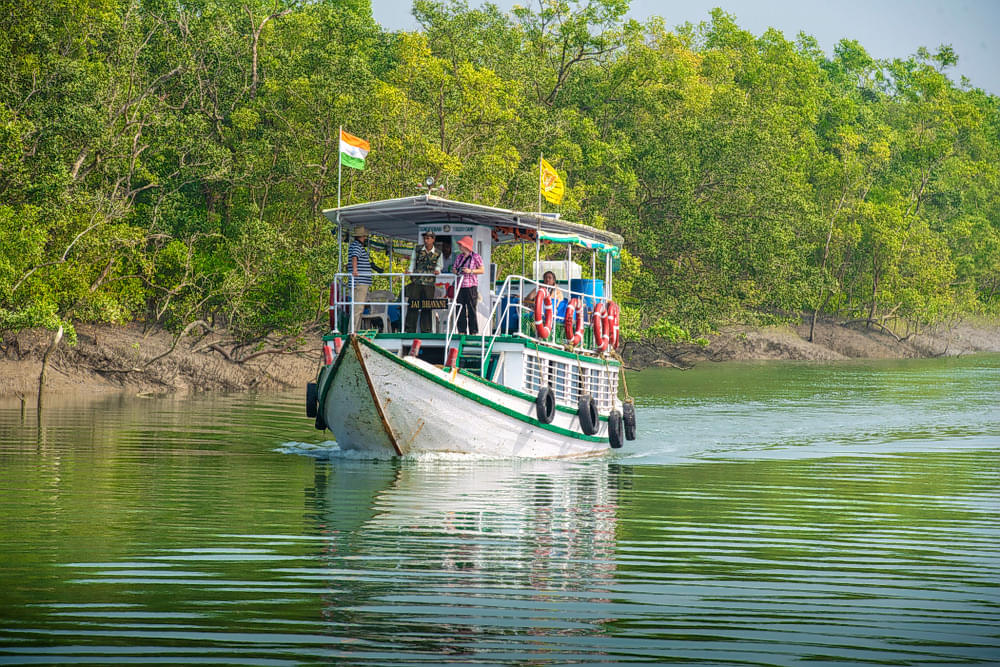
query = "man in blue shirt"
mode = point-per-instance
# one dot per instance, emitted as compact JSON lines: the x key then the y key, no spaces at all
{"x":361,"y":273}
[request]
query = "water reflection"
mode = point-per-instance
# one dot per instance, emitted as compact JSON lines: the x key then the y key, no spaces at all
{"x":535,"y":516}
{"x":449,"y":556}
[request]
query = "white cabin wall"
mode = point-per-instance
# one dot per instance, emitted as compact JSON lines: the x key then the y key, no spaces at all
{"x":513,"y":367}
{"x":482,"y":237}
{"x":482,"y":241}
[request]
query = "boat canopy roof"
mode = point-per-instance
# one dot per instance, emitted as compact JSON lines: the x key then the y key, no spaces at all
{"x":400,"y":218}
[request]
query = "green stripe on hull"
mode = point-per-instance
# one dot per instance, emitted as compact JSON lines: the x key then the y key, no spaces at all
{"x":480,"y":399}
{"x":531,"y":345}
{"x":519,"y":394}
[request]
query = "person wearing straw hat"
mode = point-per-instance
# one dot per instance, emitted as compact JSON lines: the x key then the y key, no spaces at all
{"x":467,"y":266}
{"x":361,"y":272}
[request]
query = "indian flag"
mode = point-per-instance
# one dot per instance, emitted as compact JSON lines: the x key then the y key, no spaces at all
{"x":353,"y":150}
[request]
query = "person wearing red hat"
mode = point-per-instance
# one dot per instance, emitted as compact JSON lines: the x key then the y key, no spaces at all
{"x":467,"y":266}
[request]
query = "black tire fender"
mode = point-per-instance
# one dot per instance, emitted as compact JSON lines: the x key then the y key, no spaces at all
{"x":545,"y":405}
{"x":312,"y":398}
{"x":628,"y":418}
{"x":615,"y":429}
{"x":587,"y":412}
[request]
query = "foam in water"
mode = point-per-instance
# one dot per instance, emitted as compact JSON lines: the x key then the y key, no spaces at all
{"x":329,"y":450}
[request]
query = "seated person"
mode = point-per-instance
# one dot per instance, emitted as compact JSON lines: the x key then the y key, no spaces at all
{"x":549,"y":284}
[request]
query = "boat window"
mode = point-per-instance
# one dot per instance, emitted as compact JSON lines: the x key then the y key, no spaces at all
{"x":532,"y":374}
{"x":557,"y":378}
{"x":569,"y":381}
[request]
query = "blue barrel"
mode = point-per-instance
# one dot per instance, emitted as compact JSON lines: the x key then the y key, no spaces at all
{"x":508,"y":314}
{"x":591,"y":288}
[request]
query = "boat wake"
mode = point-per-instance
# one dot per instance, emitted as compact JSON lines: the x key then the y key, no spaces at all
{"x":324,"y":451}
{"x":329,"y":450}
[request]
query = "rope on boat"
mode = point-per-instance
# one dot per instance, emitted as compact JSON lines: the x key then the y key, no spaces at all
{"x":614,"y":353}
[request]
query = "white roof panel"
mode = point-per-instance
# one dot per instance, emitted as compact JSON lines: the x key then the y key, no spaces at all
{"x":399,"y":218}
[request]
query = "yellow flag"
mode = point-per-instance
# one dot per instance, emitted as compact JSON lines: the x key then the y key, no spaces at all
{"x":551,"y":185}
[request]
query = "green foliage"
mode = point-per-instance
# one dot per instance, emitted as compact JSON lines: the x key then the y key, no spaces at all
{"x":171,"y":162}
{"x":36,"y":316}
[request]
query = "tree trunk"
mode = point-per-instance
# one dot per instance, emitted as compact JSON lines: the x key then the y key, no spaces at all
{"x":871,"y":311}
{"x":822,"y":306}
{"x":45,"y":363}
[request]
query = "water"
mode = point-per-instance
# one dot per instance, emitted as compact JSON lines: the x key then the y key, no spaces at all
{"x":769,"y":514}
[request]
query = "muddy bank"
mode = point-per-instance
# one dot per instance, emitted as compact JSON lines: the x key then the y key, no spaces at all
{"x":130,"y":359}
{"x":111,"y":358}
{"x":831,"y":342}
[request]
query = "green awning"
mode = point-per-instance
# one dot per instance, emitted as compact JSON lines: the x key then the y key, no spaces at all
{"x":581,"y":241}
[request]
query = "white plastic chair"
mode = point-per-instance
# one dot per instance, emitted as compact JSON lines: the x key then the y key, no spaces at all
{"x":378,"y":312}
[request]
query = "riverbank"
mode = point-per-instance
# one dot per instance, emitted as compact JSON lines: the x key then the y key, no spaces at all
{"x":113,"y":358}
{"x":832,"y":341}
{"x":108,"y":358}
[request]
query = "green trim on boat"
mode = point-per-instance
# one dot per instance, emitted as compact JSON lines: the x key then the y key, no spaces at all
{"x":322,"y":388}
{"x":402,"y":335}
{"x":559,"y":352}
{"x":517,"y":393}
{"x":530,"y":344}
{"x":481,"y":400}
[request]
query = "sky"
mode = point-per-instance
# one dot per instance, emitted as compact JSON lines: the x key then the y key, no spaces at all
{"x":885,"y":28}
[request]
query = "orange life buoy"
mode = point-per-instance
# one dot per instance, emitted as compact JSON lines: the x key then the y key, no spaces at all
{"x":543,"y":313}
{"x":612,"y":324}
{"x":574,"y":322}
{"x":600,"y":328}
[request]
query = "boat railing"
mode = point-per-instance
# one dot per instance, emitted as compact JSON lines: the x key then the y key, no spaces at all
{"x":342,"y":299}
{"x":511,"y":316}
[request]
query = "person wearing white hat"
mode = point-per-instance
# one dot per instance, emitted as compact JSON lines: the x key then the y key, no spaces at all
{"x":361,"y":272}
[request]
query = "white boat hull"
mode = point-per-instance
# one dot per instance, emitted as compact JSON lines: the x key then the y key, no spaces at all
{"x":376,"y":402}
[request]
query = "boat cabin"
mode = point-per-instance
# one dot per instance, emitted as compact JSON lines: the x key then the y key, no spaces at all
{"x":523,"y":342}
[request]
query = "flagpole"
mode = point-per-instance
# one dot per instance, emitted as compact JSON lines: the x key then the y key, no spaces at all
{"x":340,"y":236}
{"x":540,"y":157}
{"x":340,"y":162}
{"x":538,"y":222}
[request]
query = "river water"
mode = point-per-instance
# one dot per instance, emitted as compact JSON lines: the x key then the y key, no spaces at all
{"x":768,"y":514}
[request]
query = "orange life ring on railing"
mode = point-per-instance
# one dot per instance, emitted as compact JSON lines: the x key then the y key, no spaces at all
{"x":543,"y":313}
{"x":600,"y":325}
{"x":612,"y":324}
{"x":574,"y":322}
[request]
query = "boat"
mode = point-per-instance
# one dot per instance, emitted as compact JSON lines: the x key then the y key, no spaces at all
{"x":540,"y":379}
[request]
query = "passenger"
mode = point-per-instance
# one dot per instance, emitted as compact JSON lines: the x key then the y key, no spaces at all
{"x":425,"y":259}
{"x":361,"y":273}
{"x":467,"y":266}
{"x":548,"y":284}
{"x":445,"y":246}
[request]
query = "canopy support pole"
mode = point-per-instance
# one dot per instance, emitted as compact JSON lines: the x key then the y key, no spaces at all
{"x":608,"y":273}
{"x":538,"y":247}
